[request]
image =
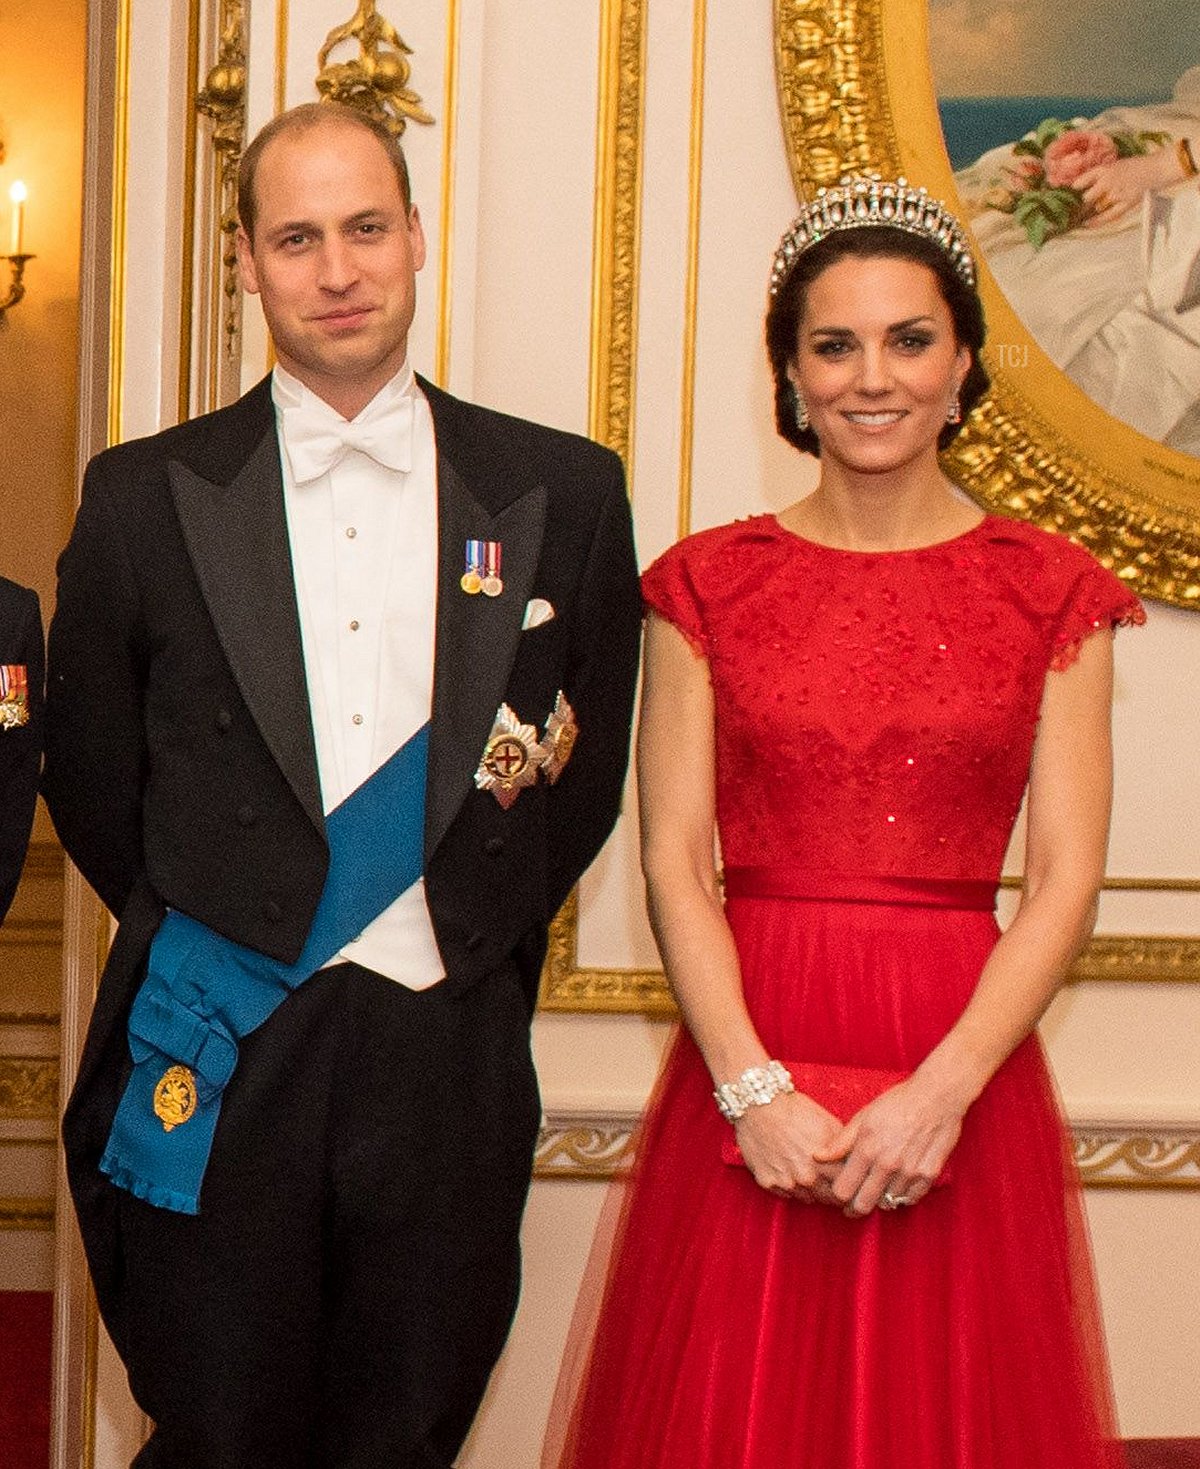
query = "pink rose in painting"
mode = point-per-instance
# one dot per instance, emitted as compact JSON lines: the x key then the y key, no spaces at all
{"x":1073,"y":153}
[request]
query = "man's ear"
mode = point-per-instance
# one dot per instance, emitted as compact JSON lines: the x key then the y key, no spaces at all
{"x":245,"y":258}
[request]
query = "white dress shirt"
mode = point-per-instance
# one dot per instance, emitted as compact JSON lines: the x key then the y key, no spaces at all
{"x":364,"y":557}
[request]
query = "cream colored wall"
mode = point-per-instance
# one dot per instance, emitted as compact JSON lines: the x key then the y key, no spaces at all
{"x":512,"y":329}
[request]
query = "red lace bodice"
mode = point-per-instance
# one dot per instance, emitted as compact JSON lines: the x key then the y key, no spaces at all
{"x":876,"y":712}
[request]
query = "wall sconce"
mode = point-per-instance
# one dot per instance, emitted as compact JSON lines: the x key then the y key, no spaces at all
{"x":17,"y":257}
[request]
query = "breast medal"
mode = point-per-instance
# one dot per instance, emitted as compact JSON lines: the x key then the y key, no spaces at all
{"x":511,"y":758}
{"x":559,"y":740}
{"x":471,"y":580}
{"x":492,"y":585}
{"x":14,"y":695}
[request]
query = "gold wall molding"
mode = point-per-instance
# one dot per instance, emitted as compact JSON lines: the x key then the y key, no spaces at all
{"x":1125,"y":958}
{"x":856,"y":94}
{"x":1139,"y":959}
{"x":585,"y":1144}
{"x":616,"y":229}
{"x":600,"y":1144}
{"x":222,"y":99}
{"x":376,"y":80}
{"x":691,"y":287}
{"x":1147,"y":1156}
{"x":566,"y":986}
{"x":117,"y":256}
{"x":611,"y":384}
{"x":28,"y":1088}
{"x":27,"y":1214}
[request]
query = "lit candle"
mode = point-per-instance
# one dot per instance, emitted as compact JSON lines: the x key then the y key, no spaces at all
{"x":18,"y":193}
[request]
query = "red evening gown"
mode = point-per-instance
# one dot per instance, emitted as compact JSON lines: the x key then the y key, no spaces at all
{"x":875,"y":718}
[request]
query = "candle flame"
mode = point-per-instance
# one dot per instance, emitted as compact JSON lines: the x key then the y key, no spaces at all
{"x":17,"y":192}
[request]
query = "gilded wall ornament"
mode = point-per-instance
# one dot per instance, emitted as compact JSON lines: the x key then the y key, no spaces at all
{"x":223,"y":99}
{"x":601,"y":1145}
{"x":376,"y":80}
{"x":856,"y":95}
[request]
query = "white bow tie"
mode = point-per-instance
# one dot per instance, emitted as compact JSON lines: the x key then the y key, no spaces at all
{"x":314,"y":448}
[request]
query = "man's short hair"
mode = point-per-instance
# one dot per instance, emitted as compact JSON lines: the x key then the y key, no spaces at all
{"x":306,"y":118}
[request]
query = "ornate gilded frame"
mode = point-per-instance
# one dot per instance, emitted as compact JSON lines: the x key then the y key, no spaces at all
{"x":856,"y":94}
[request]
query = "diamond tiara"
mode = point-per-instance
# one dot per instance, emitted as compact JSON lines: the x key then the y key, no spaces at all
{"x":862,"y":202}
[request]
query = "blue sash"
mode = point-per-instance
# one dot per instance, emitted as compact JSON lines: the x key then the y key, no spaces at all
{"x":202,"y":992}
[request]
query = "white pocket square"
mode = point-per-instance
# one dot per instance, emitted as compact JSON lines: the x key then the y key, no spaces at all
{"x":537,"y":611}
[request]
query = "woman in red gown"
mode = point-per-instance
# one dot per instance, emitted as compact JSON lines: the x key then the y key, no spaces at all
{"x":856,"y":694}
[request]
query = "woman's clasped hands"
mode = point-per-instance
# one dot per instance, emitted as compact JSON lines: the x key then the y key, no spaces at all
{"x":887,"y":1156}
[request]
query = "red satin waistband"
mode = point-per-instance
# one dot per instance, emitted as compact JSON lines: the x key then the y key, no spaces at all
{"x":796,"y":882}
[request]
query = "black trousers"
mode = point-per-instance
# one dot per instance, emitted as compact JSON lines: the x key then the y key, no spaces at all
{"x":348,"y":1285}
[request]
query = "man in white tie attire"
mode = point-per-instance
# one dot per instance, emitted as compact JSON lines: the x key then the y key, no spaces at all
{"x":256,"y":610}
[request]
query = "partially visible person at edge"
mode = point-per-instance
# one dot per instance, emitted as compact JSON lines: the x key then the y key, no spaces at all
{"x":22,"y":674}
{"x":870,"y":1251}
{"x":341,"y":680}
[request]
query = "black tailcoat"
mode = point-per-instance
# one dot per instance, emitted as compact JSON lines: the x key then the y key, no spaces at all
{"x":181,"y":770}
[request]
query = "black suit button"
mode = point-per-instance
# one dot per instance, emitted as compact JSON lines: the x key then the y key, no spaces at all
{"x":272,"y":910}
{"x":246,"y":815}
{"x":224,"y":720}
{"x":474,"y":940}
{"x":494,"y":846}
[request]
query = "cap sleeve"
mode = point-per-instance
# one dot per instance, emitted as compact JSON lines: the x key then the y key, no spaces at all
{"x":669,"y":589}
{"x":1094,"y":600}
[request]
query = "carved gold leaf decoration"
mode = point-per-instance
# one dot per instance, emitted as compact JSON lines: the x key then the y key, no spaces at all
{"x":829,"y":59}
{"x":223,"y":99}
{"x":1150,"y":1157}
{"x":28,"y":1088}
{"x":584,"y":1145}
{"x":617,"y":225}
{"x":376,"y":80}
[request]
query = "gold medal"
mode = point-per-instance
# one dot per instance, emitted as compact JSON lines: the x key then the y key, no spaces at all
{"x":175,"y":1097}
{"x":511,"y":758}
{"x":561,"y":733}
{"x":472,"y":578}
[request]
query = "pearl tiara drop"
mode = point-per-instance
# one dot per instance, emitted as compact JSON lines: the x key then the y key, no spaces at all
{"x":866,"y":202}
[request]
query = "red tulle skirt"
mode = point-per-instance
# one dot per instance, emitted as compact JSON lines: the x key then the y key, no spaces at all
{"x":738,"y":1330}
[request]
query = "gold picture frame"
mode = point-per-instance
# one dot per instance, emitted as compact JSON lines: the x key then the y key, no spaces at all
{"x":857,"y":95}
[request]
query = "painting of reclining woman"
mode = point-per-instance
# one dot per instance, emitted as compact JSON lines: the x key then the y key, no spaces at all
{"x":1082,"y":189}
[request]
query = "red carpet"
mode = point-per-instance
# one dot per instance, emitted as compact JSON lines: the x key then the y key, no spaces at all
{"x":25,"y":1379}
{"x":25,"y":1394}
{"x":1164,"y":1453}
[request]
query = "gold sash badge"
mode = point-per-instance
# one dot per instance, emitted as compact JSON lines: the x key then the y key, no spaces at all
{"x":175,"y":1097}
{"x":514,"y":755}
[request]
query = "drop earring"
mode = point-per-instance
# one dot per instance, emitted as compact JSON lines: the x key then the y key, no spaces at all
{"x":801,"y":410}
{"x":954,"y":412}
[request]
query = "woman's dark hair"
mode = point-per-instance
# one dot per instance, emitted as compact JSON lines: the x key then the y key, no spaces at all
{"x":872,"y":242}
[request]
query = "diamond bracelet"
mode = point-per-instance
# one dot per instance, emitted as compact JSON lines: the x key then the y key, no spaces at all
{"x":756,"y":1086}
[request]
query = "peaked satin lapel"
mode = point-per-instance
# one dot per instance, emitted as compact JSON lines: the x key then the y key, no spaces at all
{"x":237,"y":538}
{"x":477,"y":636}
